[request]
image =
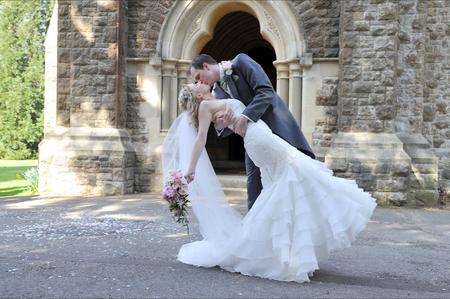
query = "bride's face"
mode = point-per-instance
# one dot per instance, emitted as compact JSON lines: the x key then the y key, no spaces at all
{"x":201,"y":91}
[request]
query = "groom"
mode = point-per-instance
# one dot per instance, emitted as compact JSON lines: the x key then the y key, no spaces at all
{"x":245,"y":80}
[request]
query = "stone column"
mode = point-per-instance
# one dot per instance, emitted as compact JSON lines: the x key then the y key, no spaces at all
{"x":169,"y":93}
{"x":436,"y":111}
{"x":282,"y":80}
{"x":366,"y":148}
{"x":182,"y":70}
{"x":295,"y":90}
{"x":89,"y":151}
{"x":411,"y":116}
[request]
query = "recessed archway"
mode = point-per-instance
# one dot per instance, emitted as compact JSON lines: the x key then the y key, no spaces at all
{"x":276,"y":42}
{"x":236,"y":32}
{"x":239,"y":32}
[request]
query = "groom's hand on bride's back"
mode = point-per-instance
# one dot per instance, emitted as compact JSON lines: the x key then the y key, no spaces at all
{"x":241,"y":125}
{"x":223,"y":119}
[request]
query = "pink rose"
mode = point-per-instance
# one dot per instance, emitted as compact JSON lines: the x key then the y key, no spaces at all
{"x":168,"y":192}
{"x":176,"y":175}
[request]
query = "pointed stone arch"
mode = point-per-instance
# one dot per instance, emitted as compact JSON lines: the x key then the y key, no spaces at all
{"x":190,"y":25}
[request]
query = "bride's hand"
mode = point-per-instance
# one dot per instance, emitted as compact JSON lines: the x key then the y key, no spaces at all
{"x":189,"y":177}
{"x":223,"y":119}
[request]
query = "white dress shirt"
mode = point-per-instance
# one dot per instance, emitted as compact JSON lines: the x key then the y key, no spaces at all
{"x":227,"y":89}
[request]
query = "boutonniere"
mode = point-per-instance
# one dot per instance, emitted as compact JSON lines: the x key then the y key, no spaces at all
{"x":227,"y":67}
{"x":235,"y":77}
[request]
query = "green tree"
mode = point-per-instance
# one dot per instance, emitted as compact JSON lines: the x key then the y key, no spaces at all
{"x":22,"y":32}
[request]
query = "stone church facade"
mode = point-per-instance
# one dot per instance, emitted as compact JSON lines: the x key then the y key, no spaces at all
{"x":367,"y":80}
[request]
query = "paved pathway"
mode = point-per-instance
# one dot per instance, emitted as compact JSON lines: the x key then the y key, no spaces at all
{"x":126,"y":247}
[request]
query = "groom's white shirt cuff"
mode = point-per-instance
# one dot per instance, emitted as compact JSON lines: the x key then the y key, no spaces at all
{"x":247,"y":117}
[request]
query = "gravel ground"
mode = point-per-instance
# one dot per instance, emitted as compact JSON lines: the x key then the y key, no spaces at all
{"x":126,"y":247}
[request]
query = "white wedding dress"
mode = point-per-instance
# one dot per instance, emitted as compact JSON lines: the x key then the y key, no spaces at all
{"x":302,"y":213}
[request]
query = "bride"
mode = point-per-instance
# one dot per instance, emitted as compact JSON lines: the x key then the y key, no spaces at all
{"x":302,"y":213}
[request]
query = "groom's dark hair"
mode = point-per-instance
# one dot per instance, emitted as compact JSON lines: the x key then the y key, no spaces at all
{"x":197,"y":62}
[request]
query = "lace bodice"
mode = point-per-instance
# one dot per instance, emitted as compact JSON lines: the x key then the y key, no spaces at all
{"x":236,"y":106}
{"x":268,"y":151}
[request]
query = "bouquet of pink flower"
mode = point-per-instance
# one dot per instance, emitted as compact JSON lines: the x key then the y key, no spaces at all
{"x":175,"y":192}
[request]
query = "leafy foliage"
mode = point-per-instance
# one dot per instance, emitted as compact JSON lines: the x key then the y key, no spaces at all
{"x":12,"y":182}
{"x":31,"y":175}
{"x":22,"y":33}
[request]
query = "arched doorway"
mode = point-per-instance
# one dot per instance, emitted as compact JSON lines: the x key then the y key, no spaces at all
{"x":262,"y":29}
{"x":240,"y":32}
{"x":237,"y":32}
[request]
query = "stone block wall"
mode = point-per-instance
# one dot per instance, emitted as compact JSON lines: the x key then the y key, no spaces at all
{"x":319,"y":18}
{"x":88,"y":62}
{"x":392,"y":74}
{"x":320,"y":21}
{"x":86,"y":161}
{"x":88,"y":151}
{"x":145,"y":19}
{"x":423,"y":85}
{"x":410,"y":68}
{"x":436,"y":127}
{"x":378,"y":164}
{"x":137,"y":126}
{"x":326,"y":127}
{"x":365,"y":147}
{"x":368,"y":60}
{"x":135,"y":123}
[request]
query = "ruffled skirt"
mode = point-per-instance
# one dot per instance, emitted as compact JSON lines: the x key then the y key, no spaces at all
{"x":296,"y":221}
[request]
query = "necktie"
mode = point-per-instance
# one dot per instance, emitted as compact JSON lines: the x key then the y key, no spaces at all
{"x":225,"y":87}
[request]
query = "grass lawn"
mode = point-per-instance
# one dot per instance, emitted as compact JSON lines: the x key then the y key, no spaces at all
{"x":9,"y":184}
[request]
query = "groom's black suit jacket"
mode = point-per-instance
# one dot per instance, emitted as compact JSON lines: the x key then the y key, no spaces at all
{"x":250,"y":84}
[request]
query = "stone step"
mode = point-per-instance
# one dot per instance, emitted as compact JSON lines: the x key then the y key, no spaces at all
{"x":234,"y":186}
{"x":233,"y":180}
{"x":227,"y":165}
{"x":235,"y":192}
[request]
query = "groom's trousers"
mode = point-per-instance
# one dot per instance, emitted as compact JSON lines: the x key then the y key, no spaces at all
{"x":254,"y":185}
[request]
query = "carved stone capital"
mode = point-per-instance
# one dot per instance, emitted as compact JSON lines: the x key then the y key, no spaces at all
{"x":282,"y":69}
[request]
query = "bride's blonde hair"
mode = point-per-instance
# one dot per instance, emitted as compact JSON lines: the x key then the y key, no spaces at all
{"x":189,"y":103}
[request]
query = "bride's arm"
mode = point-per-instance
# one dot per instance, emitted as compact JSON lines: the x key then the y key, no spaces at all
{"x":204,"y":120}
